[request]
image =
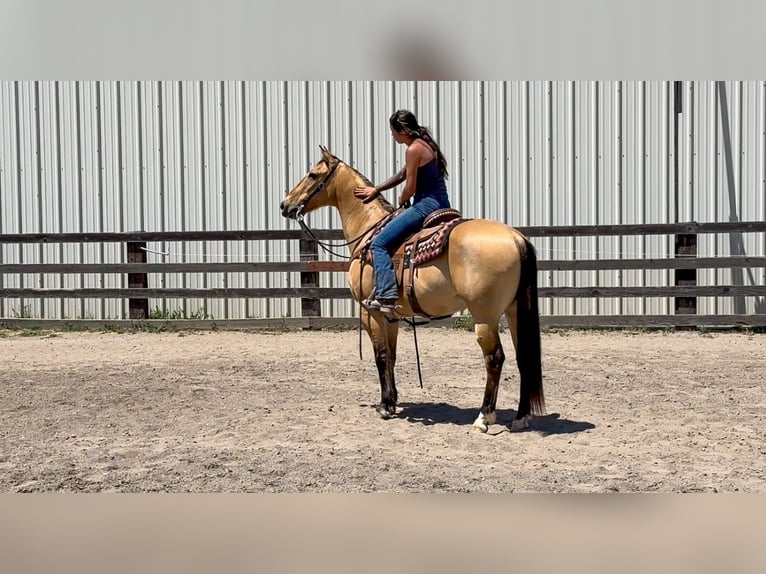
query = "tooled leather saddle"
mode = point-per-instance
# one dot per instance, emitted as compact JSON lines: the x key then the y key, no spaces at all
{"x":419,"y":248}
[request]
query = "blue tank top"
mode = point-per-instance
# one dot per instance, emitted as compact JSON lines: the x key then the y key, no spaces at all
{"x":430,"y":183}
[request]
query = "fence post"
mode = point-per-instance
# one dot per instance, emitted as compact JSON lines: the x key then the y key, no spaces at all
{"x":686,"y":246}
{"x":309,"y":251}
{"x":137,"y":308}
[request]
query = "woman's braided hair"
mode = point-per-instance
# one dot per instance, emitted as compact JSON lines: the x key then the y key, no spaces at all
{"x":405,"y":121}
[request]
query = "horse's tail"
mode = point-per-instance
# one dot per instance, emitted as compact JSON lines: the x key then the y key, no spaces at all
{"x":529,"y":353}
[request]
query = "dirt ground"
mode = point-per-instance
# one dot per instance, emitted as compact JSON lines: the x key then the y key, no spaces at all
{"x":293,"y":411}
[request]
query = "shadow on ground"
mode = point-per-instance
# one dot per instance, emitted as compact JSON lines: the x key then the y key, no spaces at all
{"x":444,"y":413}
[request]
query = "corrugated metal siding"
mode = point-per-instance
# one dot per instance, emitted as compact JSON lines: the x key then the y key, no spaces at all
{"x":122,"y":156}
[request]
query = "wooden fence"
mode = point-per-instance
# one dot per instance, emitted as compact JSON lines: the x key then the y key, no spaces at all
{"x":138,"y":293}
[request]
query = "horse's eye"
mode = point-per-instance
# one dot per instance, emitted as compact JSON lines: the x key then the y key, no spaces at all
{"x":312,"y":175}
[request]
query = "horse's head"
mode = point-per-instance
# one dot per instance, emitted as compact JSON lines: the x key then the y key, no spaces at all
{"x":311,"y":192}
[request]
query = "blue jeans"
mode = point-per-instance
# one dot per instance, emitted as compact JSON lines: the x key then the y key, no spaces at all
{"x":392,"y":236}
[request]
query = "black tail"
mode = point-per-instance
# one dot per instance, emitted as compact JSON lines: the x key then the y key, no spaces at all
{"x":529,"y":354}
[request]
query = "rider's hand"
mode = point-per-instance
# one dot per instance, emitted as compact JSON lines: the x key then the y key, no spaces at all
{"x":366,"y":194}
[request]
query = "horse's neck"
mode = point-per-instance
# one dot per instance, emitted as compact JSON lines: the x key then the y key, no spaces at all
{"x":356,"y":217}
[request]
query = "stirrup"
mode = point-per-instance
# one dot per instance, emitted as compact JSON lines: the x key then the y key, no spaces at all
{"x":386,"y":306}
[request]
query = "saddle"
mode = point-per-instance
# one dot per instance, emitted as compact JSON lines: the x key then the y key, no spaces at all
{"x":419,"y":248}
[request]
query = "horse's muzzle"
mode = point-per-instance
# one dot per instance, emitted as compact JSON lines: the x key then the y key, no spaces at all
{"x":289,"y":211}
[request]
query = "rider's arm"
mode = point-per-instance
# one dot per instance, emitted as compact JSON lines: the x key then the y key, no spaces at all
{"x":369,"y":193}
{"x":392,"y":181}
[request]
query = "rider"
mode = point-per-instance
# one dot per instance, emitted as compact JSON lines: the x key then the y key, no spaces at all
{"x":424,"y":174}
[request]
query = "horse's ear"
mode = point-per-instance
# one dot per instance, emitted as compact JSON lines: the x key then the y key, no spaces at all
{"x":326,"y":155}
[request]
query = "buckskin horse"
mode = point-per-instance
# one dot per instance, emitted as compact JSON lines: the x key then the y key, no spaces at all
{"x":485,"y":266}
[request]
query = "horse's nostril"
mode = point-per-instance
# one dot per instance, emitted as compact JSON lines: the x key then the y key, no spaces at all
{"x":288,"y":210}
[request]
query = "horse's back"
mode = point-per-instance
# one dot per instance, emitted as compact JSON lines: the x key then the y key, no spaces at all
{"x":482,"y":243}
{"x":481,"y":265}
{"x":479,"y":269}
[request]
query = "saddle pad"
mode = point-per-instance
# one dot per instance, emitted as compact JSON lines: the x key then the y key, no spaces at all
{"x":429,"y":243}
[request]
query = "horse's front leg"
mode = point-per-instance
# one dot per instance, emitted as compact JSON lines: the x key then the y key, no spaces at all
{"x":383,"y":335}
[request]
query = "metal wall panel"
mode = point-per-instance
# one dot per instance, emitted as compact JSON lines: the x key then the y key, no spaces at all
{"x":123,"y":156}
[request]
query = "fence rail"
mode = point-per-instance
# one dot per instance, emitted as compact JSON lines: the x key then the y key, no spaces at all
{"x":342,"y":266}
{"x":138,"y":293}
{"x":280,"y":234}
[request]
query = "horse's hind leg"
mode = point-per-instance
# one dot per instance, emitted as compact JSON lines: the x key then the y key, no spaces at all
{"x":529,"y":371}
{"x":489,"y":340}
{"x":383,"y":335}
{"x":521,"y":422}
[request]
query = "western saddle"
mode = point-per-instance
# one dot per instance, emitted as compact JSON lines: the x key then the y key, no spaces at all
{"x":419,"y":248}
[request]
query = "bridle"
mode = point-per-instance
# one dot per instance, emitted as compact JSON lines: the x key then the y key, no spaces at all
{"x":319,"y":187}
{"x":325,"y":245}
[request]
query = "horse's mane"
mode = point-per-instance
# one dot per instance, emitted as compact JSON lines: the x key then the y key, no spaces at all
{"x":386,"y":204}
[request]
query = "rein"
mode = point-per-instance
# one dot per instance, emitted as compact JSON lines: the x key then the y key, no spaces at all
{"x":326,"y":247}
{"x":322,"y":244}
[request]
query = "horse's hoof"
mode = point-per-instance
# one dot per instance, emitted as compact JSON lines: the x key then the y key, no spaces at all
{"x":483,"y":421}
{"x":520,"y":424}
{"x":385,"y":412}
{"x":480,"y":426}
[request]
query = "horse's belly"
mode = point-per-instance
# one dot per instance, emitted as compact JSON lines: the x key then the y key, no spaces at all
{"x":435,"y":292}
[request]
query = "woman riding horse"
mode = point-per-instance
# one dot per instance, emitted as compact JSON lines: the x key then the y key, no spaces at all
{"x":487,"y":267}
{"x":424,"y":174}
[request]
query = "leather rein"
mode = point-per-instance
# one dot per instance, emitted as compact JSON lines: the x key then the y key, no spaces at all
{"x":324,"y":245}
{"x":354,"y":255}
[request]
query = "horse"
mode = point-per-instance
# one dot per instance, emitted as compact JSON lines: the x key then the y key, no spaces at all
{"x":487,"y":267}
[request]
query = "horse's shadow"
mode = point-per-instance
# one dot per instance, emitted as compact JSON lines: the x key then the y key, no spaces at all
{"x":443,"y":413}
